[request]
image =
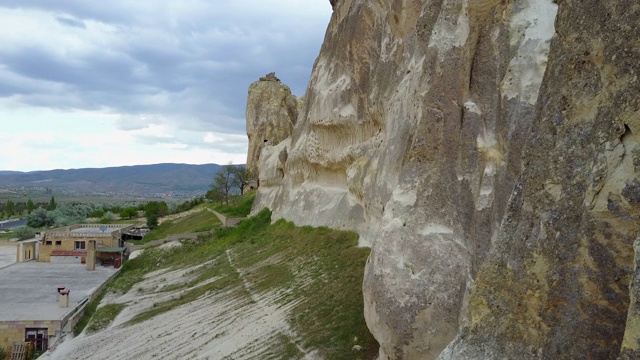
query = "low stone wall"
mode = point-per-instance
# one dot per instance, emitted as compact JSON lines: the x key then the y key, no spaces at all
{"x":227,"y":221}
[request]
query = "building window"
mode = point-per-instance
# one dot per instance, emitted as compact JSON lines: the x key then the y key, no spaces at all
{"x":58,"y":242}
{"x":79,"y":245}
{"x":47,"y":242}
{"x":37,"y":336}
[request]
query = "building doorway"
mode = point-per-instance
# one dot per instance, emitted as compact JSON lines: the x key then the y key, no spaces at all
{"x":39,"y":338}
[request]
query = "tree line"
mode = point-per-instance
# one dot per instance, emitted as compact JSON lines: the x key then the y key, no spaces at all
{"x":11,"y":209}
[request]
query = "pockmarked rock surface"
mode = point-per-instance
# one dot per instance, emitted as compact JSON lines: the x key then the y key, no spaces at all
{"x":272,"y":112}
{"x":556,"y":282}
{"x":486,"y":151}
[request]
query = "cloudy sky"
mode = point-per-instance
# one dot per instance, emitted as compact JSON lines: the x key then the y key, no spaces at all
{"x":88,"y":83}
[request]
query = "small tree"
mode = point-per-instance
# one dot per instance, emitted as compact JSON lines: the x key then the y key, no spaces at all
{"x":39,"y":218}
{"x":24,"y":232}
{"x":98,"y":213}
{"x":154,"y":210}
{"x":215,"y":195}
{"x":223,"y":181}
{"x":241,"y":178}
{"x":30,"y":206}
{"x":129,"y":212}
{"x":152,"y":220}
{"x":108,"y":218}
{"x":52,"y":204}
{"x":10,"y":208}
{"x":20,"y":207}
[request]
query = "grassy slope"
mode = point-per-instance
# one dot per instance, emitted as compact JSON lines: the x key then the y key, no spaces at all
{"x":317,"y":271}
{"x":200,"y":221}
{"x":238,"y":207}
{"x":104,"y":316}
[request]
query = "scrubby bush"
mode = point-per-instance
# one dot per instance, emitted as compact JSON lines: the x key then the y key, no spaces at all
{"x":24,"y":233}
{"x":39,"y":218}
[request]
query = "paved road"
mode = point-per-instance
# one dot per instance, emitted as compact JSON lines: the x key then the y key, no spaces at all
{"x":10,"y":224}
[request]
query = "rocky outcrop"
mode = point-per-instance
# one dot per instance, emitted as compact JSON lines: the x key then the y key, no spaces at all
{"x":272,"y":111}
{"x":500,"y":208}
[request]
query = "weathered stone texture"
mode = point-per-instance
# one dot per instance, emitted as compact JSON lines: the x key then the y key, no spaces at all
{"x":428,"y":129}
{"x":272,"y":111}
{"x":411,"y":133}
{"x":555,"y":284}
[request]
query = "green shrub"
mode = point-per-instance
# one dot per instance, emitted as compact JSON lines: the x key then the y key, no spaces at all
{"x":24,"y":233}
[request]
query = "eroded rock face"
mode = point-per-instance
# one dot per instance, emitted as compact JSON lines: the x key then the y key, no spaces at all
{"x":555,"y":284}
{"x":413,"y":133}
{"x":272,"y":111}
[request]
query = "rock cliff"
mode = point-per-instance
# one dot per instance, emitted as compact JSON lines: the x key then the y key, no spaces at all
{"x":555,"y":284}
{"x":272,"y":112}
{"x":486,"y":151}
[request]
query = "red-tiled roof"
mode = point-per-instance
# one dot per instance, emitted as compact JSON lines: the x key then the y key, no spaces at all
{"x":68,"y":253}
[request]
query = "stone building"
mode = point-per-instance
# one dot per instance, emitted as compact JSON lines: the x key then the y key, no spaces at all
{"x":28,"y":249}
{"x":69,"y":244}
{"x":41,"y":298}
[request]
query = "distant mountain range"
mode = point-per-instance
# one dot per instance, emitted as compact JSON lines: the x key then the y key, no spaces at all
{"x":159,"y":180}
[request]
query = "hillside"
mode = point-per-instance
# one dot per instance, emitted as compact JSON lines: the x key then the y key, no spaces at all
{"x":258,"y":291}
{"x":158,"y":180}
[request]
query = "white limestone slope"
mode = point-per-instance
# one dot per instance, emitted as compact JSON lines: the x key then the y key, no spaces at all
{"x":226,"y":324}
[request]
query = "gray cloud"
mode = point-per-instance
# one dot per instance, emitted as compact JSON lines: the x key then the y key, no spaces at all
{"x":187,"y":64}
{"x":65,"y":20}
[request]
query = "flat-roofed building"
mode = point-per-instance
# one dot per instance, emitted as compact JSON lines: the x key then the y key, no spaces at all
{"x":68,"y":245}
{"x":31,"y":303}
